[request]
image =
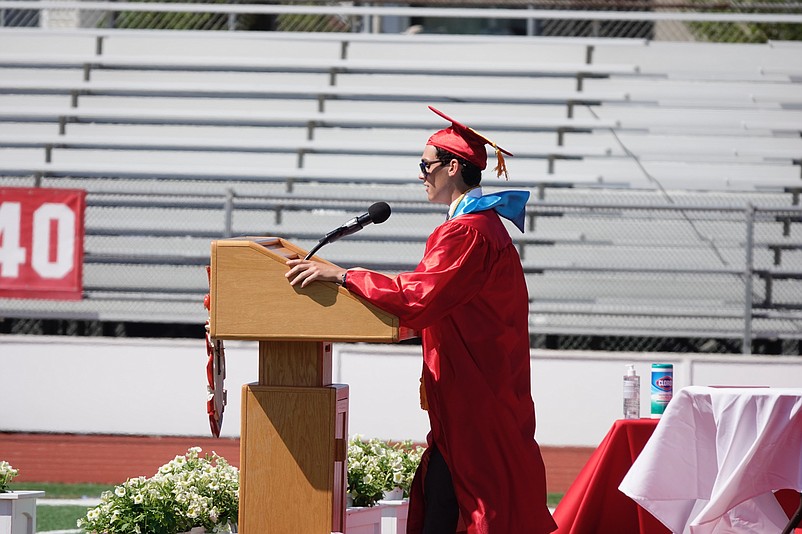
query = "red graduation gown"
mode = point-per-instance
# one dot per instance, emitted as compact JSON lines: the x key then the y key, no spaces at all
{"x":468,"y":298}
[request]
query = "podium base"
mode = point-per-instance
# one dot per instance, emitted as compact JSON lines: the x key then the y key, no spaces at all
{"x":293,"y":449}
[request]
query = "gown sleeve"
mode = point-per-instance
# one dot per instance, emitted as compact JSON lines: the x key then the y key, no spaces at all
{"x":453,"y":268}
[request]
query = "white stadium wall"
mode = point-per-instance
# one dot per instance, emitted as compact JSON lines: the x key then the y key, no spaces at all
{"x":158,"y":387}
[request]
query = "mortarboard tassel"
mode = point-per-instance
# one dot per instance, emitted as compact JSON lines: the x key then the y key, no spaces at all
{"x":501,"y":166}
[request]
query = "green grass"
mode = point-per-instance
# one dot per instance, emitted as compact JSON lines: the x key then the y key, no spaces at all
{"x":54,"y":490}
{"x":58,"y":517}
{"x":61,"y":517}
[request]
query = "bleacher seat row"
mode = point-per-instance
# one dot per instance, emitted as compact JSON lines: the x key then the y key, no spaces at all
{"x":642,"y":158}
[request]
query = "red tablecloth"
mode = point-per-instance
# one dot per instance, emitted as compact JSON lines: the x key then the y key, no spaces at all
{"x":593,"y":503}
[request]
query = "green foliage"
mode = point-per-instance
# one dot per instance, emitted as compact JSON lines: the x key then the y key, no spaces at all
{"x":311,"y":23}
{"x":156,"y":20}
{"x":747,"y":32}
{"x":752,"y":32}
{"x":169,"y":21}
{"x":166,"y":20}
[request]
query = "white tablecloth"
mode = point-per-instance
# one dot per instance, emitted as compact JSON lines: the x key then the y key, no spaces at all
{"x":716,"y":456}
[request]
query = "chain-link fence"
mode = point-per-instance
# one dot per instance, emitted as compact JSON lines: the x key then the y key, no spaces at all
{"x":625,"y":274}
{"x":601,"y":275}
{"x":658,"y":19}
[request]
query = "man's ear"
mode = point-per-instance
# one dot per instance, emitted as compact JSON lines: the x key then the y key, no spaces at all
{"x":454,"y":168}
{"x":455,"y":171}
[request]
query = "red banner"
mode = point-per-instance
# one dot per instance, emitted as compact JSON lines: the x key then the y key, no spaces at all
{"x":41,"y":243}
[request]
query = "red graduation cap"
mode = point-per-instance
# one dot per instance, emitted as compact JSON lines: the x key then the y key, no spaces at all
{"x":467,"y":143}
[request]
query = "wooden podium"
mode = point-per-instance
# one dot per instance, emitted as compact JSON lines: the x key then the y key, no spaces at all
{"x":294,"y":435}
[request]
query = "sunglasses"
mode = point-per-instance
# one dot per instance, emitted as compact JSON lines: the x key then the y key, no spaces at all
{"x":424,"y":166}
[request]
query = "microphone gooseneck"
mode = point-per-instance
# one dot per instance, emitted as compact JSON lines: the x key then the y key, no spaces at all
{"x":377,"y":214}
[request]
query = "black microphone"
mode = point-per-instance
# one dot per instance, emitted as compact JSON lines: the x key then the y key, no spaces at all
{"x":377,"y":214}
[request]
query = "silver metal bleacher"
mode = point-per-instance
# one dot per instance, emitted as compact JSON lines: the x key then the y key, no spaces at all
{"x":643,"y":160}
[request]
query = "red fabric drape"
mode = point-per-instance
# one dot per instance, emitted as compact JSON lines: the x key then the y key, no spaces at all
{"x":593,"y":503}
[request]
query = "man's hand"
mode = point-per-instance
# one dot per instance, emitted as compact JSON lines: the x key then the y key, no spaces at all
{"x":307,"y":271}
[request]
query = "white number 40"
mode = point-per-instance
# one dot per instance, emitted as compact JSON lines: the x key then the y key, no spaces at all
{"x":12,"y":254}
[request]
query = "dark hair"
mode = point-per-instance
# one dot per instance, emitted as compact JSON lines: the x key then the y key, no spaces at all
{"x":471,"y":174}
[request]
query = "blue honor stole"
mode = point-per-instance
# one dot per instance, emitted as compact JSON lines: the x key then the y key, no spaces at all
{"x":508,"y":204}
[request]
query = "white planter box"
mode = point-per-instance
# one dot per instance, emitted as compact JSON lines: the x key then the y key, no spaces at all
{"x":364,"y":520}
{"x":18,"y":512}
{"x":394,"y":516}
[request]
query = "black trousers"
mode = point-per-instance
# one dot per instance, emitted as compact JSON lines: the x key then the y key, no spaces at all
{"x":440,"y":502}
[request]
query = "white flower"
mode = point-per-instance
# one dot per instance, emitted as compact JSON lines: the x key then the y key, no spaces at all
{"x":375,"y":467}
{"x":7,"y":473}
{"x":182,"y":492}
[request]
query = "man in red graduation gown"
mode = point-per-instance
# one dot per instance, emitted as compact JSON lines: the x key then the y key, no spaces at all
{"x":483,"y":470}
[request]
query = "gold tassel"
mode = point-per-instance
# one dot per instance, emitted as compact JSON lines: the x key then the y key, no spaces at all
{"x":424,"y":402}
{"x":501,"y":166}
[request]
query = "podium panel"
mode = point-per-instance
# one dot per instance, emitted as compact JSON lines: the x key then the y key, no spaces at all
{"x":252,"y":300}
{"x":292,"y":459}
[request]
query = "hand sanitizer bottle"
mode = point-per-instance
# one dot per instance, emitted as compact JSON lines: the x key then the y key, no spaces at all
{"x":631,"y":393}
